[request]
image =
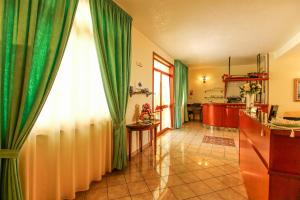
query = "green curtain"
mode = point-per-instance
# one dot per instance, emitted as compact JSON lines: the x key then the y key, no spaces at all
{"x":33,"y":37}
{"x":180,"y":92}
{"x":112,"y":32}
{"x":185,"y":91}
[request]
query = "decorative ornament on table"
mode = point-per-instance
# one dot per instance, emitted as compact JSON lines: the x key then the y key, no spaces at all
{"x":249,"y":90}
{"x":157,"y":112}
{"x":146,"y":114}
{"x":136,"y":115}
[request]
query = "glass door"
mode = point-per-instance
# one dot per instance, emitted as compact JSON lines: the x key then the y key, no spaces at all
{"x":163,"y":91}
{"x":156,"y":95}
{"x":166,"y":102}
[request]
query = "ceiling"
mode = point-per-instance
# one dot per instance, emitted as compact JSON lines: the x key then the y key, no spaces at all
{"x":207,"y":32}
{"x":291,"y":56}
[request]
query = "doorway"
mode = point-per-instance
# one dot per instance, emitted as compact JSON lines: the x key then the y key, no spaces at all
{"x":162,"y":101}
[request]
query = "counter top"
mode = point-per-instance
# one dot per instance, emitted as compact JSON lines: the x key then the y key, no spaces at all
{"x":212,"y":103}
{"x":262,"y":118}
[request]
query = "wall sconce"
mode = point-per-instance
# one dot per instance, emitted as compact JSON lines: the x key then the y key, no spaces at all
{"x":204,"y":78}
{"x":139,"y":64}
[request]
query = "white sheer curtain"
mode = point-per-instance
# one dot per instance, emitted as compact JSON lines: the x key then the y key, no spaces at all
{"x":70,"y":145}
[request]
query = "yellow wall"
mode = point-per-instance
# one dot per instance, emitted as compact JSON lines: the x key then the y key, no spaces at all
{"x":283,"y":71}
{"x":142,"y":51}
{"x":214,"y":80}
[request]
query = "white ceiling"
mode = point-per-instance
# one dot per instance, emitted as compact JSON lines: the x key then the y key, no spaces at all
{"x":206,"y":32}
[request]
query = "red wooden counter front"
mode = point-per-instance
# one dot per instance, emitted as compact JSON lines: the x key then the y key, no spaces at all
{"x":269,"y":161}
{"x":225,"y":114}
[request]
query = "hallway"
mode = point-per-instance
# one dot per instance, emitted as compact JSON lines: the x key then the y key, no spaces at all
{"x":193,"y":163}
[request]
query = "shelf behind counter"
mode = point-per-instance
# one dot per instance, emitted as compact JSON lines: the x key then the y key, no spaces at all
{"x":225,"y":114}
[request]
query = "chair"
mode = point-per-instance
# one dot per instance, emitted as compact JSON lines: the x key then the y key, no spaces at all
{"x":190,"y":110}
{"x":194,"y":109}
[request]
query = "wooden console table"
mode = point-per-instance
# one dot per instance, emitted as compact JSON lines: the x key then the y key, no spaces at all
{"x":140,"y":128}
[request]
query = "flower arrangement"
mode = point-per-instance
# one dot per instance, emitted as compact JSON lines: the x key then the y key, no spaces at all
{"x":146,"y":112}
{"x":250,"y":88}
{"x":160,"y":108}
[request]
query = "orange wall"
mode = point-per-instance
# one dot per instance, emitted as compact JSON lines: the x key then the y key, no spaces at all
{"x":142,"y":51}
{"x":283,"y":71}
{"x":214,"y":80}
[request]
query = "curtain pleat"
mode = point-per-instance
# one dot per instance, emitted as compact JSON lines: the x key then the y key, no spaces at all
{"x":112,"y":31}
{"x":33,"y":36}
{"x":180,"y":93}
{"x":185,"y":92}
{"x":71,"y":143}
{"x":56,"y":165}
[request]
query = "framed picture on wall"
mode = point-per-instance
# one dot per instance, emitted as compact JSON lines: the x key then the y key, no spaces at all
{"x":297,"y":89}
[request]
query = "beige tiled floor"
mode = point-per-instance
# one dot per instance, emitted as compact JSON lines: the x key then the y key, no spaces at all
{"x":184,"y":168}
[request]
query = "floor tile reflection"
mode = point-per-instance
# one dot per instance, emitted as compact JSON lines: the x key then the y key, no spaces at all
{"x":184,"y":168}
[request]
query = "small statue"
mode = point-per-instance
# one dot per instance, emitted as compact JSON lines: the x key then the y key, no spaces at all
{"x":136,"y":115}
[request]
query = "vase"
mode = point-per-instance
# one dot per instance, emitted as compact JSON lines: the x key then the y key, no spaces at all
{"x":249,"y":101}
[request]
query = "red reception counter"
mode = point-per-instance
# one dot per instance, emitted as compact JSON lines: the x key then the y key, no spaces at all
{"x":225,"y":114}
{"x":269,"y":160}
